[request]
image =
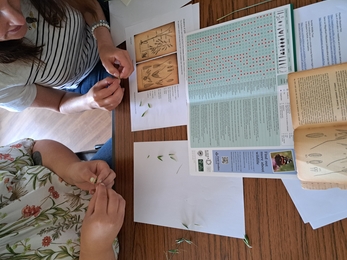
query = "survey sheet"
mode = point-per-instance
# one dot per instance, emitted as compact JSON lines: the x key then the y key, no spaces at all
{"x":157,"y":86}
{"x":239,"y":115}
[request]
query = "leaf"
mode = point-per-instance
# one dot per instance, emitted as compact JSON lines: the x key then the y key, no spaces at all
{"x":148,"y":156}
{"x":42,"y":217}
{"x":246,"y":241}
{"x":181,"y":240}
{"x":64,"y":249}
{"x":144,"y":113}
{"x":11,"y":250}
{"x":173,"y":251}
{"x":155,"y":74}
{"x":185,"y":225}
{"x":149,"y":105}
{"x":47,"y":252}
{"x":172,"y":156}
{"x":160,"y":157}
{"x":62,"y":256}
{"x":59,"y":212}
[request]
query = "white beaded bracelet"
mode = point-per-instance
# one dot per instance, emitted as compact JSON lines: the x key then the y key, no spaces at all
{"x":98,"y":24}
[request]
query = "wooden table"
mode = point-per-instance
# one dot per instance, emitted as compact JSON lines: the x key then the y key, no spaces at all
{"x":273,"y":224}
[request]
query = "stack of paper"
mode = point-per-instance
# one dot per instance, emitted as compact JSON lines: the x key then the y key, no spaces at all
{"x":318,"y":207}
{"x":165,"y":194}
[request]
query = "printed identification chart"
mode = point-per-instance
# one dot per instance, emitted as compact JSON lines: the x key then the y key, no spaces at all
{"x":236,"y":72}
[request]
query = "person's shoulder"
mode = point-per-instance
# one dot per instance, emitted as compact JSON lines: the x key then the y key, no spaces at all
{"x":13,"y":74}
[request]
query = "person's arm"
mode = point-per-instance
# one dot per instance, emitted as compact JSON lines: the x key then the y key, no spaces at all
{"x":65,"y":163}
{"x":102,"y":222}
{"x":110,"y":55}
{"x":105,"y":94}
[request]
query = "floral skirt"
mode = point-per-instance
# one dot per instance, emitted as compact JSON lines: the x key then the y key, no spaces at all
{"x":40,"y":215}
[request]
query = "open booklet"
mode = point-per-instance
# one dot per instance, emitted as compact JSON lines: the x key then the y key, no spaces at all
{"x":319,"y":114}
{"x":239,"y":113}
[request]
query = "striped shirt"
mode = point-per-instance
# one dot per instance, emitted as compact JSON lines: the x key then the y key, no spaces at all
{"x":69,"y":54}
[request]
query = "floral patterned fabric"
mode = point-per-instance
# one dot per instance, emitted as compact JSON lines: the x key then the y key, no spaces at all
{"x":40,"y":214}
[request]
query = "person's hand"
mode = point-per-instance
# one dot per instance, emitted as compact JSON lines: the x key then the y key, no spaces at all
{"x":105,"y":94}
{"x":116,"y":61}
{"x":87,"y":174}
{"x":102,"y":222}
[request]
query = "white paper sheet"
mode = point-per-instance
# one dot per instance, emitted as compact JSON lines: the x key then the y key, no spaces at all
{"x":320,"y":33}
{"x":317,"y":207}
{"x":123,"y":16}
{"x":317,"y":223}
{"x":166,"y":195}
{"x":157,"y":86}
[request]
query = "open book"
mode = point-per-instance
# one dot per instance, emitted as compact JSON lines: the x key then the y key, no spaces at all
{"x":318,"y":100}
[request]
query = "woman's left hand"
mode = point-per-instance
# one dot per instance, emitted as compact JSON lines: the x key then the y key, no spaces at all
{"x":102,"y":222}
{"x":86,"y":174}
{"x":116,"y":61}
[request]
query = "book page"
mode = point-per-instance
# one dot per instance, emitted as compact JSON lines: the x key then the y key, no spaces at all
{"x":321,"y":154}
{"x":318,"y":96}
{"x":322,"y":185}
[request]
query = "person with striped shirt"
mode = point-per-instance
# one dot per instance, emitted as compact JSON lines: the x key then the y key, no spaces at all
{"x":59,"y":55}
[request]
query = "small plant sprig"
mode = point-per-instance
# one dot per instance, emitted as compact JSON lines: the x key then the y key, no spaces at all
{"x":160,"y":157}
{"x":171,"y":252}
{"x":246,"y":241}
{"x":172,"y":157}
{"x":149,"y":105}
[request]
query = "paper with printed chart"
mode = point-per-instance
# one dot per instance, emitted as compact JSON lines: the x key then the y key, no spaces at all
{"x":157,"y":86}
{"x":239,"y":111}
{"x":165,"y":194}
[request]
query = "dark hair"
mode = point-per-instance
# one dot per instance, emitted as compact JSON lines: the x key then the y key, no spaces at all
{"x":53,"y":11}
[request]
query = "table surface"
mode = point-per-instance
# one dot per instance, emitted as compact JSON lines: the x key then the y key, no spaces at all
{"x":273,"y":224}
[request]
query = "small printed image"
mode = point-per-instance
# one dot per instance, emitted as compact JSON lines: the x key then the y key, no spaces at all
{"x":155,"y":42}
{"x":157,"y":73}
{"x":156,"y":58}
{"x":282,"y":161}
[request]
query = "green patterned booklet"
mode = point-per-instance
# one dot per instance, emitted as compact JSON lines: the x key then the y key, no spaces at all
{"x":239,"y":112}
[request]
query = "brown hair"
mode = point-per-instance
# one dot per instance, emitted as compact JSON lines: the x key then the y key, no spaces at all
{"x":53,"y":11}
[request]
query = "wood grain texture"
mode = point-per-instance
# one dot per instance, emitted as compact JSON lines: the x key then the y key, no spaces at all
{"x":274,"y":227}
{"x":79,"y":132}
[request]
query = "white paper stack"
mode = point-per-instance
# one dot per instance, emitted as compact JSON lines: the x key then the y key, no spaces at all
{"x":318,"y":207}
{"x":165,"y":194}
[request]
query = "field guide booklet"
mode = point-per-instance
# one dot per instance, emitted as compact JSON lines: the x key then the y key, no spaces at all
{"x":239,"y":111}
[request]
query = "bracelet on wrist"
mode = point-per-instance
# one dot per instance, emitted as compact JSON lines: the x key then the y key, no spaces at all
{"x":101,"y":23}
